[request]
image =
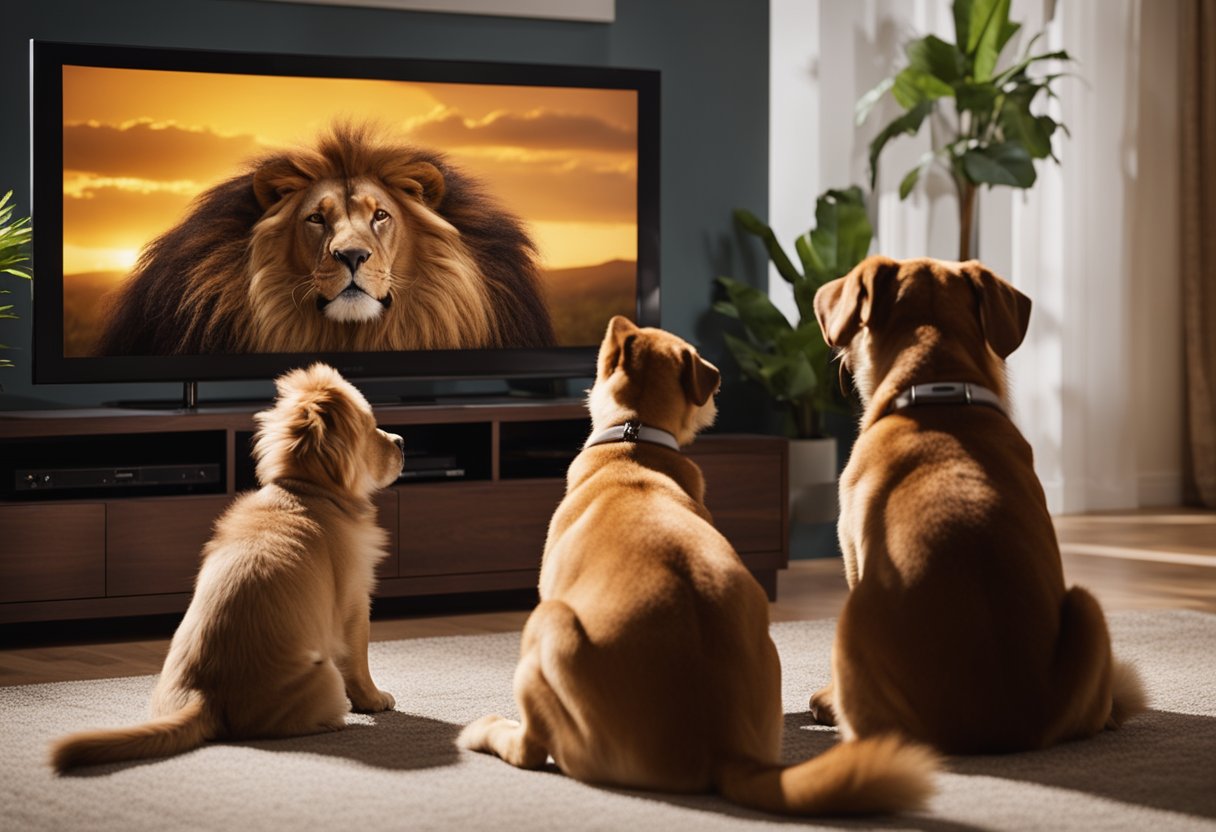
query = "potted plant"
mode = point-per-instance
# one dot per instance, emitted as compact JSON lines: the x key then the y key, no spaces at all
{"x":988,"y":135}
{"x":14,"y":237}
{"x":790,"y":360}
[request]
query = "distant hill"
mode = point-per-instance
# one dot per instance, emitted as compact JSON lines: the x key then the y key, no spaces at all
{"x":582,"y":300}
{"x":84,"y":307}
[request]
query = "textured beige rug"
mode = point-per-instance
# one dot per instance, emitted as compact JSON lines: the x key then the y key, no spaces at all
{"x":401,"y":770}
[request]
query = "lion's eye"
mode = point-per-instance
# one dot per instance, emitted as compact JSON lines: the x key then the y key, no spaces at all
{"x":380,"y":214}
{"x":315,"y":218}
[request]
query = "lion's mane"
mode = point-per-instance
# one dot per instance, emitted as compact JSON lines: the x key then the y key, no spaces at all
{"x":223,"y":280}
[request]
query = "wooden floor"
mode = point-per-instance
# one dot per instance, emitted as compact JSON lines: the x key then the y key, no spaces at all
{"x":1159,"y":559}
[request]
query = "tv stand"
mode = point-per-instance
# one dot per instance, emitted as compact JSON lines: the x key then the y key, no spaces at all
{"x":188,"y":401}
{"x":125,"y":548}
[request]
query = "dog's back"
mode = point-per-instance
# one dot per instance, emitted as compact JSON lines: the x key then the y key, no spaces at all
{"x":275,"y":637}
{"x":648,"y":662}
{"x":959,"y":620}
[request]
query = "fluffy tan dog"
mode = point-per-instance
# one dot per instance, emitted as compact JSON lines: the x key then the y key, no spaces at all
{"x":275,"y":638}
{"x":648,"y":662}
{"x":958,"y":629}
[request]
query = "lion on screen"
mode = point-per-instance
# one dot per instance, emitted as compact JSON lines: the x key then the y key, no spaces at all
{"x":357,"y":244}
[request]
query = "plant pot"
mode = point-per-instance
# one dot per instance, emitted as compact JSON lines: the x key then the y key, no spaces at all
{"x":813,"y":481}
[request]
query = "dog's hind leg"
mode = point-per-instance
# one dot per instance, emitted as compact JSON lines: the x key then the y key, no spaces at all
{"x":1092,"y":690}
{"x":551,"y":638}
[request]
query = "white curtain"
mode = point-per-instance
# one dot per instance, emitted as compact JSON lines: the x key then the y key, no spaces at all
{"x":1097,"y":389}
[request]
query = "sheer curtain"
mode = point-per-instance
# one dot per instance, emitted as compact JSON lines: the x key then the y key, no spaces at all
{"x":1198,"y":107}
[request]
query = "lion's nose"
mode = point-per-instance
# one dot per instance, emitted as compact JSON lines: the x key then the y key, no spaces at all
{"x":352,"y":258}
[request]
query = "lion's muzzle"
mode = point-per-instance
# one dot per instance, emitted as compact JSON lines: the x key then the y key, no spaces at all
{"x":352,"y":258}
{"x":353,"y":305}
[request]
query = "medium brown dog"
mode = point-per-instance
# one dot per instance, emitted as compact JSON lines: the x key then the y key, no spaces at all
{"x":275,"y":638}
{"x":958,"y":629}
{"x":648,"y":662}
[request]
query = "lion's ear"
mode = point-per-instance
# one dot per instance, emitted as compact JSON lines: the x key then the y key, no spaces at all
{"x":277,"y":178}
{"x":421,"y":180}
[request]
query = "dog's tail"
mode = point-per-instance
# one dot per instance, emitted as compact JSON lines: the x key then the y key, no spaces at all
{"x":861,"y":777}
{"x":171,"y":734}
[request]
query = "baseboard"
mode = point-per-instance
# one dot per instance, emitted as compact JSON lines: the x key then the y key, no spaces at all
{"x":1155,"y":490}
{"x":1160,"y":489}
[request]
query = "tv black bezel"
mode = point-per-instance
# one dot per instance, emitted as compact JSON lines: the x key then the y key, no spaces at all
{"x":51,"y":366}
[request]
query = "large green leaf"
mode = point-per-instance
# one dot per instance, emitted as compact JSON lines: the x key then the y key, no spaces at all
{"x":1008,"y":30}
{"x":753,"y":225}
{"x":913,"y":87}
{"x":763,"y":320}
{"x":785,"y":376}
{"x":977,"y":98}
{"x":842,"y":232}
{"x":1022,"y":127}
{"x":962,"y":23}
{"x":989,"y":24}
{"x":1018,"y":70}
{"x":840,"y":240}
{"x":913,"y":176}
{"x":999,"y":164}
{"x":866,"y":103}
{"x":934,"y":56}
{"x":908,"y":123}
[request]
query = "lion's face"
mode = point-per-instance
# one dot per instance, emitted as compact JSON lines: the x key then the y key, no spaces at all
{"x":350,"y":240}
{"x":346,"y":260}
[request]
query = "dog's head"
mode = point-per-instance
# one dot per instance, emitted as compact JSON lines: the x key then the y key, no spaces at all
{"x":321,"y":430}
{"x":655,"y":377}
{"x":884,"y":307}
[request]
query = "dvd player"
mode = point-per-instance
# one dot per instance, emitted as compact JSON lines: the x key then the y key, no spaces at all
{"x":51,"y":479}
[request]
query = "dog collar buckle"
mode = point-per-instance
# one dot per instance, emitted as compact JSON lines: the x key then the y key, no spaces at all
{"x":634,"y":432}
{"x":946,"y":393}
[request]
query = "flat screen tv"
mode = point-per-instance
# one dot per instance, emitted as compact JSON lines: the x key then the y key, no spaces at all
{"x":207,"y":215}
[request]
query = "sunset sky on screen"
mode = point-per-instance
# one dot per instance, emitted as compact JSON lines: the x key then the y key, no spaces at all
{"x":138,"y":145}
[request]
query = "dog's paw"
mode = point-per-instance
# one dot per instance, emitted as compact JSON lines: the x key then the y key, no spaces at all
{"x":476,"y":735}
{"x":822,"y":710}
{"x":374,"y":703}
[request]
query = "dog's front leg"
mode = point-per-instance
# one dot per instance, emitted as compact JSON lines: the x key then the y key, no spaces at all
{"x":360,"y":689}
{"x":823,"y":707}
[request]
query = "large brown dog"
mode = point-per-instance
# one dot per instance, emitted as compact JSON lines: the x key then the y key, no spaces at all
{"x":648,"y":662}
{"x":275,"y":638}
{"x":959,"y":630}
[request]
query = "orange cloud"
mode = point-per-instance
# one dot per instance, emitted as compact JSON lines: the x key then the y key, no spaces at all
{"x":562,"y":191}
{"x":536,"y":129}
{"x":109,"y":217}
{"x":145,"y":150}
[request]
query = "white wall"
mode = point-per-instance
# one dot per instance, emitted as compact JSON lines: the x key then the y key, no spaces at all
{"x":1097,"y":384}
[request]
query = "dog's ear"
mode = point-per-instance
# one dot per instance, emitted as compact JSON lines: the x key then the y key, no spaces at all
{"x":699,"y":378}
{"x":846,"y":304}
{"x":1004,"y":311}
{"x":618,"y":346}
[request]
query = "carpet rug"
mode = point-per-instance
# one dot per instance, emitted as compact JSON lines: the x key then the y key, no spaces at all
{"x":402,"y":770}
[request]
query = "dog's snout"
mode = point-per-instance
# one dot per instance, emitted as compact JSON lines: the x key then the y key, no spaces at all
{"x":399,"y":442}
{"x":352,"y":258}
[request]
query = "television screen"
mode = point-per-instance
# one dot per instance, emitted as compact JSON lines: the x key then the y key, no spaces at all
{"x":214,"y":215}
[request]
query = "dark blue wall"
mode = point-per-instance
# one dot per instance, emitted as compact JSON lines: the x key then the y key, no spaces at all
{"x":713,"y":55}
